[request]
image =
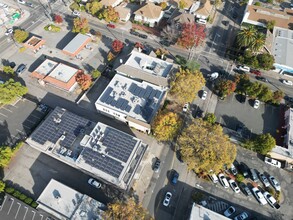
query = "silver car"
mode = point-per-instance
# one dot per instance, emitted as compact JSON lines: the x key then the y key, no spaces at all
{"x":275,"y":183}
{"x":264,"y":180}
{"x":167,"y":199}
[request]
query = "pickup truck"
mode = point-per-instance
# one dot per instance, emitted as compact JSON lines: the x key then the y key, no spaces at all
{"x":271,"y":200}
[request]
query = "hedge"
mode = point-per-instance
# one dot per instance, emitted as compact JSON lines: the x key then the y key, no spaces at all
{"x":15,"y":193}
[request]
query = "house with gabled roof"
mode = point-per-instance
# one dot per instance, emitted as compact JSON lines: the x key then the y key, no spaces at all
{"x":149,"y":13}
{"x":112,"y":3}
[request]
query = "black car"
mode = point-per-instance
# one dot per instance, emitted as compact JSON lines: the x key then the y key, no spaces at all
{"x":165,"y":43}
{"x":143,"y":36}
{"x":20,"y":69}
{"x":244,"y":188}
{"x":157,"y":165}
{"x":261,"y":78}
{"x":133,"y":32}
{"x":174,"y":177}
{"x":12,"y":65}
{"x":244,"y":169}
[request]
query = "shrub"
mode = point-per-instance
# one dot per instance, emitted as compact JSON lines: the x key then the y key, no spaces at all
{"x":96,"y":74}
{"x":74,"y":6}
{"x":278,"y":196}
{"x":270,"y":190}
{"x":2,"y":186}
{"x":257,"y":4}
{"x":22,"y":197}
{"x":34,"y":204}
{"x":9,"y":190}
{"x":239,"y":178}
{"x":52,"y":28}
{"x":28,"y":201}
{"x":21,"y":50}
{"x":16,"y":194}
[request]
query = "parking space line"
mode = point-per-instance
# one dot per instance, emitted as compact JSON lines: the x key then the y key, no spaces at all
{"x":42,"y":216}
{"x":33,"y":215}
{"x":6,"y":109}
{"x":25,"y":212}
{"x":1,"y":207}
{"x":11,"y":199}
{"x":19,"y":131}
{"x":3,"y":115}
{"x":17,"y":210}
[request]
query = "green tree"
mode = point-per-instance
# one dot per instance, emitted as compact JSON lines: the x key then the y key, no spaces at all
{"x":205,"y":147}
{"x":182,"y":4}
{"x":166,"y":126}
{"x":95,"y":74}
{"x":20,"y":35}
{"x":8,"y":70}
{"x":74,"y":6}
{"x":5,"y":156}
{"x":93,"y":7}
{"x":211,"y":118}
{"x":10,"y":90}
{"x":266,"y":61}
{"x":2,"y":186}
{"x":270,"y":25}
{"x":192,"y":65}
{"x":226,"y":87}
{"x":217,"y":3}
{"x":277,"y":96}
{"x":179,"y":88}
{"x":258,"y":43}
{"x":126,"y":210}
{"x":266,"y":94}
{"x":163,"y":5}
{"x":80,"y":25}
{"x":239,"y":178}
{"x":262,"y":144}
{"x":110,"y":15}
{"x":246,"y":36}
{"x":254,"y":89}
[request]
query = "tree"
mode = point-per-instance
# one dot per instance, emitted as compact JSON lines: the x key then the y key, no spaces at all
{"x":2,"y":186}
{"x":58,"y":19}
{"x":83,"y":80}
{"x":163,"y":5}
{"x":126,"y":210}
{"x":138,"y":45}
{"x":170,"y":32}
{"x":110,"y":15}
{"x":217,"y":3}
{"x":226,"y":87}
{"x":95,"y":74}
{"x":192,"y":65}
{"x":166,"y":126}
{"x":266,"y":94}
{"x":10,"y":90}
{"x":246,"y":36}
{"x":93,"y":7}
{"x":110,"y":56}
{"x":20,"y":35}
{"x":277,"y":96}
{"x":182,"y":4}
{"x":117,"y":46}
{"x":8,"y":70}
{"x":270,"y":25}
{"x":211,"y":118}
{"x":179,"y":88}
{"x":262,"y":144}
{"x":266,"y":61}
{"x":5,"y":156}
{"x":191,"y":35}
{"x":204,"y":147}
{"x":80,"y":25}
{"x":161,"y":52}
{"x":258,"y":43}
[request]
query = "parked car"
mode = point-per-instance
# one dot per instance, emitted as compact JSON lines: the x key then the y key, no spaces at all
{"x":234,"y":186}
{"x":8,"y":31}
{"x":165,"y":43}
{"x":244,"y":188}
{"x":264,"y":180}
{"x":29,"y":4}
{"x":233,"y":170}
{"x":223,"y":180}
{"x":275,"y":183}
{"x":243,"y":68}
{"x":259,"y":196}
{"x":253,"y":175}
{"x":21,"y":2}
{"x":143,"y":36}
{"x":185,"y":107}
{"x":255,"y":72}
{"x":261,"y":78}
{"x":214,"y":178}
{"x":175,"y":177}
{"x":133,"y":32}
{"x":256,"y":104}
{"x":204,"y":95}
{"x":111,"y":25}
{"x":271,"y":200}
{"x":287,"y":82}
{"x":21,"y":68}
{"x":201,"y":21}
{"x":94,"y":183}
{"x":273,"y":162}
{"x":167,"y":199}
{"x":157,"y":165}
{"x":241,"y":216}
{"x":76,"y":13}
{"x":229,"y":211}
{"x":244,"y":169}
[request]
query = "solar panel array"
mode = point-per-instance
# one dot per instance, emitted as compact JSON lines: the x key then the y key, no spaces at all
{"x":102,"y":162}
{"x":119,"y":145}
{"x":50,"y":130}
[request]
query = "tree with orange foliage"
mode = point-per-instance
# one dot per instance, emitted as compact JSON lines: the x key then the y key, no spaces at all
{"x":83,"y":80}
{"x":191,"y":35}
{"x":80,"y":25}
{"x":117,"y":46}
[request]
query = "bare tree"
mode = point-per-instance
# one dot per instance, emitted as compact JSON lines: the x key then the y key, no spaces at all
{"x":170,"y":32}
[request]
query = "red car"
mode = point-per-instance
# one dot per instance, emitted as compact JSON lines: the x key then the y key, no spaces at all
{"x":256,"y":72}
{"x":111,"y":25}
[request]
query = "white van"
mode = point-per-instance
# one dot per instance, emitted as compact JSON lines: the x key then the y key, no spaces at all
{"x":223,"y":180}
{"x":201,"y":21}
{"x":214,"y":178}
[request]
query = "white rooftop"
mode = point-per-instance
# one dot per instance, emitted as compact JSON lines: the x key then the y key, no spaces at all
{"x":150,"y":65}
{"x":63,"y":72}
{"x":289,"y":138}
{"x":76,"y":43}
{"x":46,"y":67}
{"x":199,"y":212}
{"x":66,"y":203}
{"x":139,"y":100}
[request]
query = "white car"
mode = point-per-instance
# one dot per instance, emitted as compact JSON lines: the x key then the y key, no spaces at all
{"x":244,"y":68}
{"x":287,"y":82}
{"x":201,"y":21}
{"x":234,"y":186}
{"x":259,"y":196}
{"x":273,"y":162}
{"x":185,"y":107}
{"x":94,"y":183}
{"x":21,"y":2}
{"x":230,"y":211}
{"x":223,"y":180}
{"x":275,"y":183}
{"x":233,"y":170}
{"x":167,"y":199}
{"x":271,"y":200}
{"x":242,"y":216}
{"x":256,"y":104}
{"x":9,"y":31}
{"x":204,"y":95}
{"x":76,"y":13}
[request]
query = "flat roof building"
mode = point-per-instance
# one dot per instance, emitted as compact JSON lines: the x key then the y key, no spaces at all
{"x":66,"y":203}
{"x":199,"y":212}
{"x":76,"y":44}
{"x":147,"y":68}
{"x":135,"y":103}
{"x":57,"y":74}
{"x":34,"y":43}
{"x":96,"y":149}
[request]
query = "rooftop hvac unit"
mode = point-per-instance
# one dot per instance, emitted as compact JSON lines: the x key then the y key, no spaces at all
{"x":62,"y":137}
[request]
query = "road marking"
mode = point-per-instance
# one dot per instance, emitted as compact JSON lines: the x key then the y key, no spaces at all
{"x":10,"y":205}
{"x":25,"y":212}
{"x":17,"y":210}
{"x":34,"y":214}
{"x":19,"y":131}
{"x":6,"y":109}
{"x":1,"y":207}
{"x":3,"y":115}
{"x":42,"y":216}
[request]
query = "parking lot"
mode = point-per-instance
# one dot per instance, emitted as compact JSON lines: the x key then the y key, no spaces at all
{"x":18,"y":120}
{"x":231,"y":113}
{"x":227,"y":197}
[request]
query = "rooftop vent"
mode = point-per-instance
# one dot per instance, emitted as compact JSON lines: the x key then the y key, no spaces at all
{"x":62,"y":137}
{"x":57,"y":120}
